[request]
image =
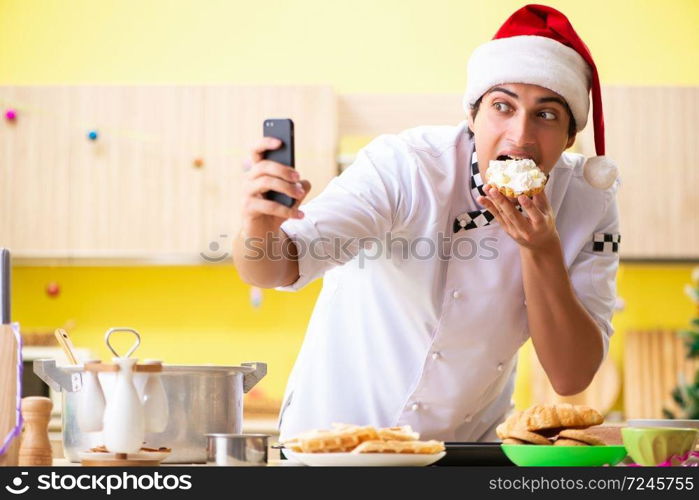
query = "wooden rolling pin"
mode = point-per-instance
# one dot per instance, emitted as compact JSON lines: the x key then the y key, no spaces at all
{"x":35,"y":448}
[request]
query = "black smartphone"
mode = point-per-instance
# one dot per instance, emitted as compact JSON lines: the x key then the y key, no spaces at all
{"x":282,"y":129}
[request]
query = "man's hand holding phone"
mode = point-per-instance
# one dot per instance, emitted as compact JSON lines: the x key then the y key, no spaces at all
{"x":260,"y":215}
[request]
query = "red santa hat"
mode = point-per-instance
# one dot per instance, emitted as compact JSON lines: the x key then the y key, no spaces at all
{"x":538,"y":45}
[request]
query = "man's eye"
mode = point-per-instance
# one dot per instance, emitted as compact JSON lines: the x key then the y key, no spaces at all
{"x":501,"y":106}
{"x":547,"y":115}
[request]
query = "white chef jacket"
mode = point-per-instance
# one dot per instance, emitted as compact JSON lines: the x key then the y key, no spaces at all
{"x":427,"y":341}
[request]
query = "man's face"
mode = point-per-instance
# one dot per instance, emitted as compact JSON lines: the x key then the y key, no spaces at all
{"x":523,"y":121}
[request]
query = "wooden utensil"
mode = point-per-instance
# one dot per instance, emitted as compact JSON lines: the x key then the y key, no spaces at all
{"x":66,"y":345}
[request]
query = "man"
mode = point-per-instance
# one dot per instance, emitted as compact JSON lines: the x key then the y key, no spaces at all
{"x":429,"y":337}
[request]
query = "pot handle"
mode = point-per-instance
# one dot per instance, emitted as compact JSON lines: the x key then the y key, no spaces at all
{"x":251,"y":379}
{"x":57,"y":378}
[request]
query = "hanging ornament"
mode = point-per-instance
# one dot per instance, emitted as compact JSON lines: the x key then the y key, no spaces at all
{"x":255,"y":296}
{"x":10,"y":115}
{"x":93,"y":135}
{"x":53,"y":290}
{"x":198,"y":162}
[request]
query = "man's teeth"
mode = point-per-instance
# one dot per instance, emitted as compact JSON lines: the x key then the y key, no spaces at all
{"x":507,"y":157}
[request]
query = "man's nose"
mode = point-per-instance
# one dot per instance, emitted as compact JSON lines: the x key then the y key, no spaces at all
{"x":521,"y":130}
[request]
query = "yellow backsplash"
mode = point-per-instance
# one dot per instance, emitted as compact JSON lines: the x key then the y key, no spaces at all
{"x":204,"y":314}
{"x":186,"y":315}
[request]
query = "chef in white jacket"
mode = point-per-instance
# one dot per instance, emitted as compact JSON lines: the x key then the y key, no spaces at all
{"x":431,"y":280}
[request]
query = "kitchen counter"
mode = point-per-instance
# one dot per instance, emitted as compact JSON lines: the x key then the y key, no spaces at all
{"x":273,"y":456}
{"x":250,"y":426}
{"x":62,"y":462}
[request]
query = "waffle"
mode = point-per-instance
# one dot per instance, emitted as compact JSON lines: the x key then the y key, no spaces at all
{"x":404,"y":433}
{"x":378,"y":446}
{"x":341,"y":439}
{"x":362,"y":439}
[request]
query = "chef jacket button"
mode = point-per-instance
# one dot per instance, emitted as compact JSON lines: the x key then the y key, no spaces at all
{"x":436,"y":355}
{"x":456,"y":294}
{"x":415,"y":406}
{"x":500,"y":367}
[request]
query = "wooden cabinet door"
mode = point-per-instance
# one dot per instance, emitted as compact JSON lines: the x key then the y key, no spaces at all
{"x":135,"y":191}
{"x":652,"y":135}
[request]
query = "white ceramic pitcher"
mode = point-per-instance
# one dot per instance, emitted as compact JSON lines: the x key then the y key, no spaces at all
{"x":155,"y":401}
{"x":91,"y":405}
{"x":124,"y":419}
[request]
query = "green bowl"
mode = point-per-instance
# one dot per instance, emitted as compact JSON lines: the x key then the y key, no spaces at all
{"x":532,"y":455}
{"x":657,"y":445}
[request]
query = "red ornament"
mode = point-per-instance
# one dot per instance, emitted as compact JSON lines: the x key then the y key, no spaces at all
{"x":10,"y":115}
{"x":53,"y":289}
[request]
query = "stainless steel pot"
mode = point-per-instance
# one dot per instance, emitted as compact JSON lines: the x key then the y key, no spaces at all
{"x":202,"y":400}
{"x":237,"y":449}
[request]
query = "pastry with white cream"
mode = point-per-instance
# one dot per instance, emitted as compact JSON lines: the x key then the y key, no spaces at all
{"x":514,"y":177}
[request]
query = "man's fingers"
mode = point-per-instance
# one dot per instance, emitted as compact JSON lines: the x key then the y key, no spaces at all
{"x":273,"y":169}
{"x":267,"y":207}
{"x":267,"y":143}
{"x":541,"y":202}
{"x":267,"y":183}
{"x":487,"y":203}
{"x":535,"y":215}
{"x":306,"y":187}
{"x":506,"y":208}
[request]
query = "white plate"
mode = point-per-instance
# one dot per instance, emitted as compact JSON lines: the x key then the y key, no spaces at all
{"x":364,"y":459}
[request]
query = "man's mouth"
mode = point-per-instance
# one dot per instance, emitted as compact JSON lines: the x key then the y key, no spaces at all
{"x":514,"y":157}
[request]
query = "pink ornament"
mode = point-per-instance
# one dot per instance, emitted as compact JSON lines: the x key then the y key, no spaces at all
{"x":11,"y":115}
{"x":53,"y":289}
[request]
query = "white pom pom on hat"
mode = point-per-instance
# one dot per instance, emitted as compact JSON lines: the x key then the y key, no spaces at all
{"x":538,"y":45}
{"x":600,"y":172}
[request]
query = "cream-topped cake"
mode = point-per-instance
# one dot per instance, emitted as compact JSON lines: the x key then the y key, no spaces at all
{"x":514,"y":177}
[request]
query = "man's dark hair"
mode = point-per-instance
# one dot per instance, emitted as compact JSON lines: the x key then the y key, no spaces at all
{"x":572,"y":127}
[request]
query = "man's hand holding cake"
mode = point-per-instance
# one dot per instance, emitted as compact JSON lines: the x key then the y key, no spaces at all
{"x":512,"y":181}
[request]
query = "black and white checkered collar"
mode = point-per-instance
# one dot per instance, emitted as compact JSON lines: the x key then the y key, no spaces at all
{"x":480,"y":217}
{"x":476,"y":179}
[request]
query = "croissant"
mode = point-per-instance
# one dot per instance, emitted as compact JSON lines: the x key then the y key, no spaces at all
{"x":504,"y":430}
{"x":555,"y":416}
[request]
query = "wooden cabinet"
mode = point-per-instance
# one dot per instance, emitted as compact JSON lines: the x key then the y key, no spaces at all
{"x":652,"y":133}
{"x":135,"y":191}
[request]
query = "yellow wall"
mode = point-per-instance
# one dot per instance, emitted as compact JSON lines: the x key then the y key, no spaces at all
{"x":202,"y":314}
{"x":358,"y":46}
{"x":654,"y":298}
{"x":188,"y":315}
